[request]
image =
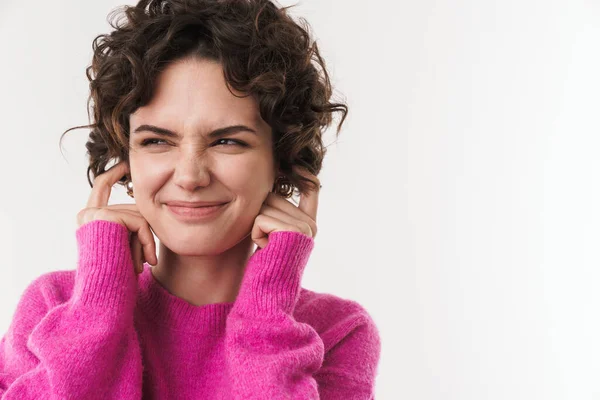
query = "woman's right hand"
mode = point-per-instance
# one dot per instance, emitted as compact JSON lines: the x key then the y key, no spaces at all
{"x":143,"y":247}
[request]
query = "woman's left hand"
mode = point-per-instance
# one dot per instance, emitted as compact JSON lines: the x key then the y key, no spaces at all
{"x":278,"y":214}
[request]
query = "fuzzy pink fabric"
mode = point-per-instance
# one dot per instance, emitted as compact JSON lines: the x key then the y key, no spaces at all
{"x":101,"y":332}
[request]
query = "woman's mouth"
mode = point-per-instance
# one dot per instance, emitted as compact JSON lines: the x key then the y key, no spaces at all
{"x":188,"y":214}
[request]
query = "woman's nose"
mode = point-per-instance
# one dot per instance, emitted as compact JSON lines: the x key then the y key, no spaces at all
{"x":191,"y":169}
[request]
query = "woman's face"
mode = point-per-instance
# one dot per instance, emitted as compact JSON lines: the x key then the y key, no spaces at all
{"x":191,"y":101}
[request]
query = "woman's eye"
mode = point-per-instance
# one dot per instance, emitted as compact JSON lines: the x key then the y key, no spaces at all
{"x":235,"y":142}
{"x":147,"y":142}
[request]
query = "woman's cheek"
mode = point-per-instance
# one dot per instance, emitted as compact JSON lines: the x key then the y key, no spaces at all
{"x":247,"y":174}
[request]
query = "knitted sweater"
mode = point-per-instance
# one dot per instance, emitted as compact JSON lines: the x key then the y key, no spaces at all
{"x":103,"y":332}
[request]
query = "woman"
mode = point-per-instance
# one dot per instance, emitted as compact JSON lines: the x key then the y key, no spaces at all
{"x":213,"y":112}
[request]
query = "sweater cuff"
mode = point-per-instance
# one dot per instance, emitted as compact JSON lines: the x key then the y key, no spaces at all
{"x":105,"y":275}
{"x":273,"y":275}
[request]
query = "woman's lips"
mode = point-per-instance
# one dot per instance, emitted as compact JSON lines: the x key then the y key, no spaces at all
{"x":195,"y":213}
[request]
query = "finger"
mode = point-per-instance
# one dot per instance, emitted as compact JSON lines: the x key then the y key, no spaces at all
{"x":134,"y":213}
{"x":136,"y":252}
{"x":140,"y":254}
{"x":277,"y":201}
{"x":143,"y":262}
{"x":148,"y":244}
{"x":131,"y":207}
{"x":264,"y":225}
{"x":300,"y":222}
{"x":139,"y":225}
{"x":258,"y":235}
{"x":309,"y":202}
{"x":144,"y":231}
{"x":104,"y":183}
{"x":121,"y":216}
{"x":88,"y":214}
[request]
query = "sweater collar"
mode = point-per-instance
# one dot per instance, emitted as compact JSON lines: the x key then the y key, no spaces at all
{"x":168,"y":310}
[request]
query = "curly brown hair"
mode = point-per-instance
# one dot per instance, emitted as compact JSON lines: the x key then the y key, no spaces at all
{"x":263,"y":53}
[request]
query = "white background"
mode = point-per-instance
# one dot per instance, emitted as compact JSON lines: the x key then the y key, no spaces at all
{"x":459,"y":204}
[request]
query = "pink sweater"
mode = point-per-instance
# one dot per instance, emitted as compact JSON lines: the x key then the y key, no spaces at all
{"x":101,"y":332}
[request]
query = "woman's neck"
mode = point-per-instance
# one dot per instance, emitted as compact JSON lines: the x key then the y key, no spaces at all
{"x":204,"y":279}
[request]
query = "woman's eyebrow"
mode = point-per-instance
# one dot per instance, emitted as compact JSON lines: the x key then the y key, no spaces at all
{"x":216,"y":133}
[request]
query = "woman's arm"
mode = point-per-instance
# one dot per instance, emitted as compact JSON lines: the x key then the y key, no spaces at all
{"x":86,"y":347}
{"x":350,"y":366}
{"x":270,"y":355}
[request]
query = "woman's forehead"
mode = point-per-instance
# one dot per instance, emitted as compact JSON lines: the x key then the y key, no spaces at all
{"x":195,"y":93}
{"x":201,"y":86}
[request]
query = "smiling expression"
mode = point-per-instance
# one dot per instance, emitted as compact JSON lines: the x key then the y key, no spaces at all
{"x":196,"y":141}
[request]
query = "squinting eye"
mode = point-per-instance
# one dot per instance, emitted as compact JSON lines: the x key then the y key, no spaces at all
{"x":236,"y":142}
{"x":147,"y":142}
{"x":154,"y":141}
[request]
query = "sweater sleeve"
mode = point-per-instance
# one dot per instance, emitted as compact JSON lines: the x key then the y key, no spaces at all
{"x":83,"y":348}
{"x":270,"y":355}
{"x":350,"y":367}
